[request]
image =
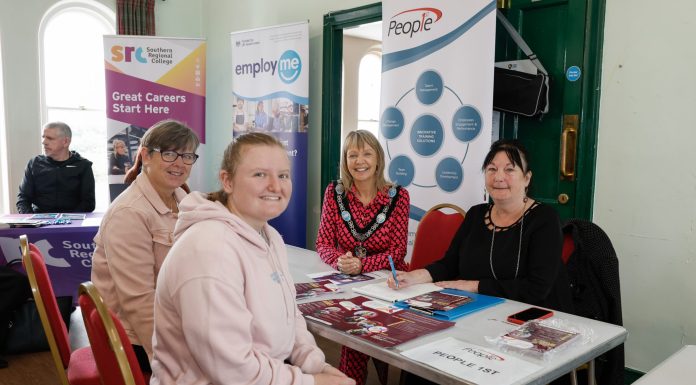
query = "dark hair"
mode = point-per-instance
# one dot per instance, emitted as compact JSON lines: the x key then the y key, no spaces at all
{"x":166,"y":135}
{"x":359,"y":139}
{"x":514,"y":150}
{"x":233,"y":156}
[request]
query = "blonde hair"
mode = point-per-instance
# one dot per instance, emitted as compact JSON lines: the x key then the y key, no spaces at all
{"x":358,"y":139}
{"x":234,"y":153}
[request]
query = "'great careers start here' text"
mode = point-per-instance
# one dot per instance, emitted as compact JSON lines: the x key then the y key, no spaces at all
{"x":131,"y":103}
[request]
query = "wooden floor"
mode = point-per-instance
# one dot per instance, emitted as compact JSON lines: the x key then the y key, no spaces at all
{"x":38,"y":368}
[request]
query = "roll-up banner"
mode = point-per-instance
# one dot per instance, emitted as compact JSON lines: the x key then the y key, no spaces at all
{"x":149,"y":79}
{"x":437,"y":99}
{"x":270,"y":84}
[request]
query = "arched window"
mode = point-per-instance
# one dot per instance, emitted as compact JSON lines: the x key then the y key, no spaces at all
{"x":72,"y":74}
{"x":369,"y":88}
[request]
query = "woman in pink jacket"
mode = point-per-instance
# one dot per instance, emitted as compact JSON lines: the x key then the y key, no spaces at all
{"x":225,"y":310}
{"x":136,"y":231}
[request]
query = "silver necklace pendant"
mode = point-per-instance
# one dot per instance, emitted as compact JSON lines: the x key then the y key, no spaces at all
{"x":339,"y":188}
{"x":392,"y":192}
{"x":360,"y":251}
{"x":381,"y":217}
{"x":345,"y":215}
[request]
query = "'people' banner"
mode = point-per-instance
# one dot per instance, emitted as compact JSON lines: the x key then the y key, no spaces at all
{"x":149,"y":79}
{"x":270,"y":83}
{"x":437,"y":99}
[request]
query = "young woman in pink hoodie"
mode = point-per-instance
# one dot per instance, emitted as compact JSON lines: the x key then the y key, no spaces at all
{"x":225,"y":310}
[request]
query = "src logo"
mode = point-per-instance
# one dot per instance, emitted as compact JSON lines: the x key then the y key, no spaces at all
{"x":414,"y":21}
{"x":119,"y":53}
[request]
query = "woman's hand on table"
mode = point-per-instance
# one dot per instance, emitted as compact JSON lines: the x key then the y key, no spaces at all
{"x":409,"y":278}
{"x":332,"y":376}
{"x":470,"y":286}
{"x":348,"y":264}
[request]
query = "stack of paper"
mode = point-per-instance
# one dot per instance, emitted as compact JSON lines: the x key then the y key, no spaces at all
{"x":381,"y":291}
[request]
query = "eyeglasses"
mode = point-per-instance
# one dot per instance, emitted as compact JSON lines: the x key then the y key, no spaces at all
{"x":171,"y":156}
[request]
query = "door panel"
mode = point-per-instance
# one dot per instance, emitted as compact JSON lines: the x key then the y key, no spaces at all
{"x":555,"y":32}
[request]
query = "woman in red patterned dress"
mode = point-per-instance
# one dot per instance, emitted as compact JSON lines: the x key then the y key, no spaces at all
{"x":364,"y":220}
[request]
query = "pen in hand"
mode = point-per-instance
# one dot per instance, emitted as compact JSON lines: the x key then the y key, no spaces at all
{"x":391,"y":264}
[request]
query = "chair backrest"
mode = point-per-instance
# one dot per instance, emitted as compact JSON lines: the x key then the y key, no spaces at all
{"x":112,"y":350}
{"x":568,"y":247}
{"x":593,"y":272}
{"x":435,"y":232}
{"x":47,"y":306}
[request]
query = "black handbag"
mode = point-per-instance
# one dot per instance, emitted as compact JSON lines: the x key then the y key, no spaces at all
{"x":520,"y":92}
{"x":25,"y":332}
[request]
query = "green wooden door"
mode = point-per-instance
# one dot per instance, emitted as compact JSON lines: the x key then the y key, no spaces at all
{"x":565,"y":36}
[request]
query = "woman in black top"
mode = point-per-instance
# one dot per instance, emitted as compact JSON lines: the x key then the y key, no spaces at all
{"x":508,"y":248}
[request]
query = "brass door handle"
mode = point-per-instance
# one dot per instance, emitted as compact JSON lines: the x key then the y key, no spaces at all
{"x":569,"y":139}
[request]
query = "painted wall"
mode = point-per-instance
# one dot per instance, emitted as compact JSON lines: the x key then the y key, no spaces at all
{"x":646,"y":180}
{"x":646,"y":183}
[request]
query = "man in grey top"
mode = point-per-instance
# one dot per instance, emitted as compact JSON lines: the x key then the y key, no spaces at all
{"x":59,"y":181}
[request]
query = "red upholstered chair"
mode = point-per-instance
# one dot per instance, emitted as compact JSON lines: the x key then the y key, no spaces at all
{"x":435,"y":232}
{"x":568,"y":247}
{"x":73,"y":367}
{"x":113,"y":352}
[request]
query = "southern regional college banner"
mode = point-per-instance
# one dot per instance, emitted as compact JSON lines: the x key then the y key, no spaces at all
{"x":270,"y":83}
{"x":436,"y":103}
{"x":149,"y":79}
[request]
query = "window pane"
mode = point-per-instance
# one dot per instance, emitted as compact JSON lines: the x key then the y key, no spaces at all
{"x":73,"y":68}
{"x":74,"y":59}
{"x":369,"y":125}
{"x":369,"y":87}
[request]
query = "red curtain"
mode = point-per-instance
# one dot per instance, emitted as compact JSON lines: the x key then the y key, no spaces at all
{"x":136,"y":17}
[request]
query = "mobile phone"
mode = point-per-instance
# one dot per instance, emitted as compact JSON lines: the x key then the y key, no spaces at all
{"x":529,"y":314}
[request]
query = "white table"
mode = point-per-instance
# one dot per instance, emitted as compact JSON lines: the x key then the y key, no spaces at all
{"x":472,"y":328}
{"x":679,"y":368}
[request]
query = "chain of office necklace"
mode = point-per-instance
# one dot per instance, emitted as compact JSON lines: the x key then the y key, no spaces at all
{"x":381,"y":217}
{"x":519,"y":247}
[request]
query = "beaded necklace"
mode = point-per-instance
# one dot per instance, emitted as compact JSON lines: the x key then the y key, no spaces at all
{"x":519,"y":245}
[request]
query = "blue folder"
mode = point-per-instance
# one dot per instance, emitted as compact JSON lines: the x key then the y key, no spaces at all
{"x":479,"y":302}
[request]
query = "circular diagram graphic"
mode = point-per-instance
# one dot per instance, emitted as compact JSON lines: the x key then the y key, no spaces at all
{"x":402,"y":170}
{"x":427,"y":133}
{"x":429,"y":87}
{"x":392,"y":123}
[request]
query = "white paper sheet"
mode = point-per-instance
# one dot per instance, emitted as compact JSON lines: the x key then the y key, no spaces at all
{"x":471,"y":362}
{"x":381,"y":291}
{"x":92,"y":221}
